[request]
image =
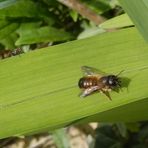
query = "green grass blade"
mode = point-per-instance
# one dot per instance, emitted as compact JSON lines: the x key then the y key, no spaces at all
{"x":39,"y":90}
{"x":117,"y":22}
{"x":138,"y":12}
{"x":61,"y":138}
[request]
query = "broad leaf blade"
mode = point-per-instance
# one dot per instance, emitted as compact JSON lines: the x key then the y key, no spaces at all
{"x":117,"y":22}
{"x":39,"y":89}
{"x":138,"y":12}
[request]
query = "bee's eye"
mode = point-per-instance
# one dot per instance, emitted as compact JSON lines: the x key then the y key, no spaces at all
{"x":110,"y":82}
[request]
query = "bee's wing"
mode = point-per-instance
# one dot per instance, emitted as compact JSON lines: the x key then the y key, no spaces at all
{"x":89,"y":71}
{"x":88,"y":91}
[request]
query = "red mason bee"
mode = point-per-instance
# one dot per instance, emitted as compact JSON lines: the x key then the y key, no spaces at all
{"x":97,"y":81}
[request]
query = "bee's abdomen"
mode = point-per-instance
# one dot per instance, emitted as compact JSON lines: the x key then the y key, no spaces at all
{"x":87,"y":82}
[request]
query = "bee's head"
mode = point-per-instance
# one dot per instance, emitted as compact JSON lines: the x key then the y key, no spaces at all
{"x":113,"y":81}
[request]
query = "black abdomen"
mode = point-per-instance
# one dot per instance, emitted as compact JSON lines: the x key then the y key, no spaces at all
{"x":87,"y":82}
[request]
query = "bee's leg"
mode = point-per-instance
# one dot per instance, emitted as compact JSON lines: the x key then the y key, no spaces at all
{"x":107,"y":94}
{"x":116,"y":90}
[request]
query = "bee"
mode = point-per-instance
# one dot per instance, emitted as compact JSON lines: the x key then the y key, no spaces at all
{"x":97,"y":81}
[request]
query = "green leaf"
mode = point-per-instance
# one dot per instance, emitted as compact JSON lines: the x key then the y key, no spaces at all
{"x":39,"y":91}
{"x":9,"y":41}
{"x":74,"y":15}
{"x":122,"y":129}
{"x":42,"y":34}
{"x":90,"y":32}
{"x":137,"y":10}
{"x":8,"y":29}
{"x":7,"y":3}
{"x":3,"y":23}
{"x":28,"y":26}
{"x":117,"y":22}
{"x":8,"y":34}
{"x":25,"y":8}
{"x":107,"y":137}
{"x":61,"y":138}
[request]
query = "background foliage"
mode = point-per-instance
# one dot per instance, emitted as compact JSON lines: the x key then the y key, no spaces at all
{"x":44,"y":22}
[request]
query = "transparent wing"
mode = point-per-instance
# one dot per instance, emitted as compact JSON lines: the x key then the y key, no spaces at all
{"x":89,"y":91}
{"x":89,"y":71}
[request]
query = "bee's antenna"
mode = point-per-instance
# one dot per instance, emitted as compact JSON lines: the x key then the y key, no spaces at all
{"x":120,"y":72}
